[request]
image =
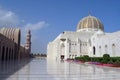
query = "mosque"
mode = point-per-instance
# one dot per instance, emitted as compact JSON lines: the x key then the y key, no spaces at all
{"x":10,"y":45}
{"x":89,"y":39}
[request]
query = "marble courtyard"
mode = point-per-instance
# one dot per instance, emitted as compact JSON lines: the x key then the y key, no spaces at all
{"x":89,"y":39}
{"x":41,"y":69}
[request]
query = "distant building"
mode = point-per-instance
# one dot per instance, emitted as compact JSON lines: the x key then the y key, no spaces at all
{"x":89,"y":39}
{"x":28,"y":43}
{"x":10,"y":47}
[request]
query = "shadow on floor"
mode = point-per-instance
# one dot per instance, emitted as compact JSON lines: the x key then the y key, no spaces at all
{"x":8,"y":68}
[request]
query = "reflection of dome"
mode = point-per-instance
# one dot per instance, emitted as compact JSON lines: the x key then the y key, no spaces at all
{"x":90,"y":23}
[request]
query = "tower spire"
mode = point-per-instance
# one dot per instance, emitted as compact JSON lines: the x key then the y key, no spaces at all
{"x":28,"y":42}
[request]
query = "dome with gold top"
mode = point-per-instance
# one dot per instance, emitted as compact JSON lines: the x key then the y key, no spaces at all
{"x":90,"y":23}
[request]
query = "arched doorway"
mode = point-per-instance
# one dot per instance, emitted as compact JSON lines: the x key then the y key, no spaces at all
{"x":93,"y":50}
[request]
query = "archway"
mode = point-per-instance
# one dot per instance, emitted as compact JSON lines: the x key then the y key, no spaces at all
{"x":3,"y":53}
{"x":9,"y":53}
{"x":0,"y":52}
{"x":6,"y":56}
{"x":12,"y":54}
{"x":93,"y":50}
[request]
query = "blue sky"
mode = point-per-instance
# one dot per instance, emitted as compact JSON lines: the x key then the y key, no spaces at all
{"x":48,"y":18}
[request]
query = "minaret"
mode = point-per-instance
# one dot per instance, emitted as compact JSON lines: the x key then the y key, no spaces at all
{"x":28,"y":43}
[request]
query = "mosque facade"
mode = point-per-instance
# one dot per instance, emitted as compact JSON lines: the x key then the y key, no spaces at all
{"x":89,"y":39}
{"x":10,"y":44}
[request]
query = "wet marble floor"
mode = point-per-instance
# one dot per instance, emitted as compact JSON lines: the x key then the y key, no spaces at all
{"x":42,"y":69}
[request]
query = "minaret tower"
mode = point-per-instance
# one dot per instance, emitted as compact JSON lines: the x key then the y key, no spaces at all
{"x":28,"y":43}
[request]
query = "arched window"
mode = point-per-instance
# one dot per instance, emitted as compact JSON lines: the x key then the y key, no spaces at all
{"x":100,"y":51}
{"x":93,"y":50}
{"x":106,"y":49}
{"x":75,"y":55}
{"x":105,"y":45}
{"x":113,"y":49}
{"x":69,"y":56}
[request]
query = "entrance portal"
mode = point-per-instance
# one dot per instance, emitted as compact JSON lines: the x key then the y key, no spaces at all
{"x":62,"y":57}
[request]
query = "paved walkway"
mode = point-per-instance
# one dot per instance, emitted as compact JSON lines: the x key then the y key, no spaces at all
{"x":41,"y":69}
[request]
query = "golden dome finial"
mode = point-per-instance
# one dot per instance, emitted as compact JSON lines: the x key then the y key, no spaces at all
{"x":89,"y":13}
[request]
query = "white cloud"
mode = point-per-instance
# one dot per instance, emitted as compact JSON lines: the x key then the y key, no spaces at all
{"x":36,"y":26}
{"x":8,"y":18}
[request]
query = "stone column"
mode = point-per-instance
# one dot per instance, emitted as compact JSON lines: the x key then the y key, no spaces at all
{"x":66,"y":49}
{"x":78,"y":48}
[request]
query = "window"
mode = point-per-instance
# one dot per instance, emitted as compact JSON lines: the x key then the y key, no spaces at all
{"x":106,"y":49}
{"x":113,"y":49}
{"x":100,"y":51}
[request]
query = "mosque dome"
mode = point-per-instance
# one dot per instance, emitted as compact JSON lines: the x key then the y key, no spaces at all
{"x":90,"y":23}
{"x":11,"y":33}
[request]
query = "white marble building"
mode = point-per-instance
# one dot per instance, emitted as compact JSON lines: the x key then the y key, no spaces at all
{"x":89,"y":39}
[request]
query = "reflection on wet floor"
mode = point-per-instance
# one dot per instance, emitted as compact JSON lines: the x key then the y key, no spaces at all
{"x":42,"y":69}
{"x":8,"y":68}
